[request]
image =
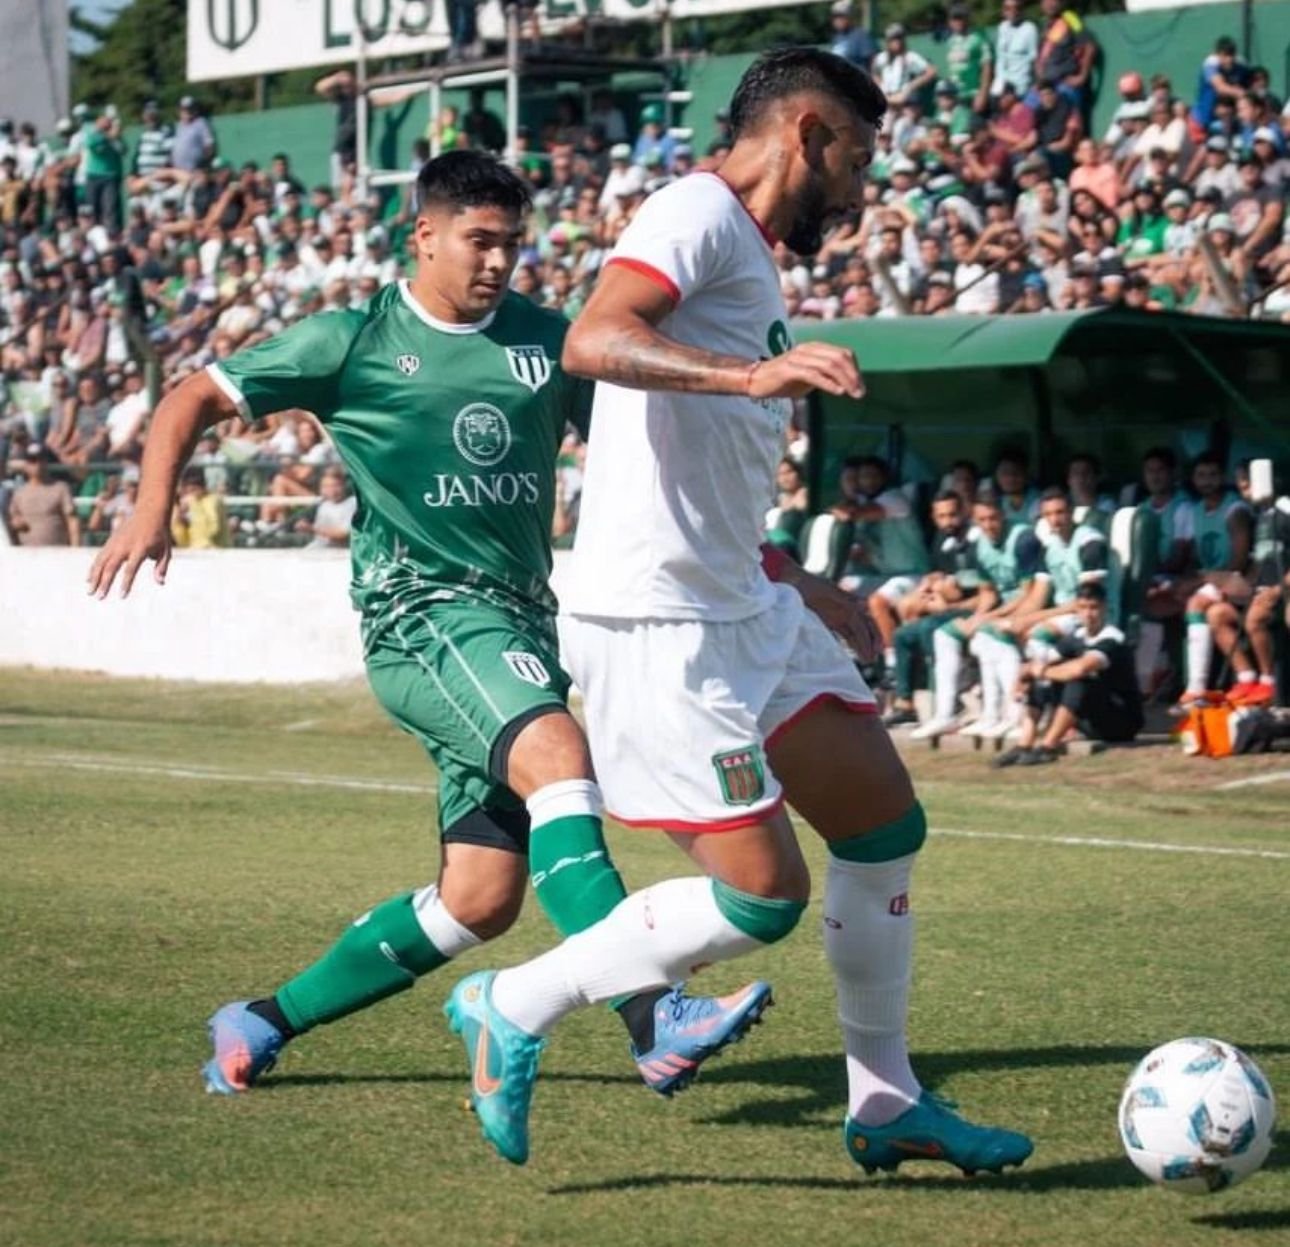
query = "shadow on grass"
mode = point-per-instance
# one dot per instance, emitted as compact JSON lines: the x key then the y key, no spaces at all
{"x":823,"y":1078}
{"x":288,"y":1082}
{"x":1082,"y":1175}
{"x":1269,"y":1219}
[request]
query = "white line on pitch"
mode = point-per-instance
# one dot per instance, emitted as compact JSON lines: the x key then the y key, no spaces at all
{"x":1101,"y":842}
{"x":1253,"y":781}
{"x":293,"y":778}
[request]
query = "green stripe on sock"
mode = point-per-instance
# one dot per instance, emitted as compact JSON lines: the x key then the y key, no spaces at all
{"x":764,"y":918}
{"x":1194,"y":617}
{"x":898,"y":838}
{"x":382,"y":953}
{"x":574,"y":879}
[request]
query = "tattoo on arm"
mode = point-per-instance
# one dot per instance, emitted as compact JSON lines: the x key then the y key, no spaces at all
{"x":641,"y":358}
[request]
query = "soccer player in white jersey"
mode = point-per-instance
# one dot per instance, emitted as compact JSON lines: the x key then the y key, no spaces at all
{"x":713,"y":693}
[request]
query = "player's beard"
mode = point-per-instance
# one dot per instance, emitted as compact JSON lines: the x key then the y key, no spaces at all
{"x":807,"y":233}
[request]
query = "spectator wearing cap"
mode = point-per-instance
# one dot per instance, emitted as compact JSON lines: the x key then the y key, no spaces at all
{"x":1095,"y":173}
{"x":901,"y":72}
{"x":1066,"y":52}
{"x":1217,"y":172}
{"x":851,"y":42}
{"x":1256,"y":210}
{"x":969,"y":59}
{"x":1016,"y":45}
{"x":1058,"y":128}
{"x":951,"y":112}
{"x":194,"y":140}
{"x":653,"y":137}
{"x":1034,"y":295}
{"x":156,"y":143}
{"x":41,"y":511}
{"x":1223,"y":75}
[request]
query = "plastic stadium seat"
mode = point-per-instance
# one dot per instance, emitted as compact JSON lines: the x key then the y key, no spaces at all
{"x":825,"y":543}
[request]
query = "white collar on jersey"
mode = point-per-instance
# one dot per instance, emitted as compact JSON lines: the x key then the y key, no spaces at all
{"x":444,"y":326}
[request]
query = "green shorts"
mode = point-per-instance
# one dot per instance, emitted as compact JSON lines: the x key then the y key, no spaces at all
{"x":465,"y":678}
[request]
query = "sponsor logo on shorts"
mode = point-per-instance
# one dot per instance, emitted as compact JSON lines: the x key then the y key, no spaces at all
{"x":899,"y":905}
{"x":527,"y":667}
{"x":741,"y":775}
{"x":481,"y":434}
{"x":530,"y":366}
{"x":409,"y":365}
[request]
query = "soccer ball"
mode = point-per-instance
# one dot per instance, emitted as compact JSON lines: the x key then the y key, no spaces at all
{"x":1197,"y":1115}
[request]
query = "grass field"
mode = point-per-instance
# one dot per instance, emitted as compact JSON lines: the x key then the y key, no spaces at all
{"x":169,"y":847}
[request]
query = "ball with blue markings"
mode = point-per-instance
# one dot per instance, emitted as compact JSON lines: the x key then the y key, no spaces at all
{"x":1197,"y":1115}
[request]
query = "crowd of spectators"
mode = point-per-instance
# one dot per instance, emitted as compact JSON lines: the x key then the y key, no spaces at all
{"x":122,"y":272}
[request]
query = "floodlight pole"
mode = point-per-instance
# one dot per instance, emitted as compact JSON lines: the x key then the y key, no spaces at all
{"x":512,"y":80}
{"x":361,"y":109}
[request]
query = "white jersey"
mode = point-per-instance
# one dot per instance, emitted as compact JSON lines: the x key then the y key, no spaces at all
{"x":676,"y":484}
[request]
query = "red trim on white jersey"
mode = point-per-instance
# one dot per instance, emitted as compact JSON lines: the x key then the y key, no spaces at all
{"x":751,"y":819}
{"x":771,"y":241}
{"x":650,"y":273}
{"x":820,"y":699}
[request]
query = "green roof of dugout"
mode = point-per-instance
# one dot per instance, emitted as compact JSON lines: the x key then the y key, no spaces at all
{"x":1111,"y":382}
{"x":932,"y":343}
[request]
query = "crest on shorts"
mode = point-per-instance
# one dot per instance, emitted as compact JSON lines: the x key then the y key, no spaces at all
{"x":408,"y":364}
{"x":741,"y":775}
{"x":528,"y":667}
{"x":530,"y":366}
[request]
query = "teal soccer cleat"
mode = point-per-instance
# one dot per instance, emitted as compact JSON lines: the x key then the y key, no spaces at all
{"x":503,"y":1065}
{"x":690,"y":1029}
{"x":931,"y":1130}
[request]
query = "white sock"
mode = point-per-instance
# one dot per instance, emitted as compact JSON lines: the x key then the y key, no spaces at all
{"x":948,"y":651}
{"x":1007,"y":667}
{"x":1200,"y":649}
{"x":654,"y":937}
{"x":889,"y":658}
{"x":983,"y":647}
{"x":1267,"y":679}
{"x":869,"y":941}
{"x":1151,"y":640}
{"x":440,"y":927}
{"x":1246,"y":676}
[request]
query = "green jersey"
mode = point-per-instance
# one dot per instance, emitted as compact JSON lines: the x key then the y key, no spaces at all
{"x":104,"y":155}
{"x":965,"y":58}
{"x":450,"y":433}
{"x":1066,"y":561}
{"x":1175,"y":523}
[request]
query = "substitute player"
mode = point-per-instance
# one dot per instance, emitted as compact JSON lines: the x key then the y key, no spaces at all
{"x":712,"y":695}
{"x":447,"y":402}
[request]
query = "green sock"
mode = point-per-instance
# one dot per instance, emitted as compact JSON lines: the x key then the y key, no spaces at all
{"x":573,"y":878}
{"x":383,"y":952}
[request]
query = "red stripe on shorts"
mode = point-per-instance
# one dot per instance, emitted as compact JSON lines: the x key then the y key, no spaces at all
{"x":820,"y":699}
{"x":750,"y":819}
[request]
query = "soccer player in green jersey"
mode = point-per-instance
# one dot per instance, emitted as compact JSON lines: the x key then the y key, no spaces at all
{"x":445,"y":398}
{"x":969,"y":58}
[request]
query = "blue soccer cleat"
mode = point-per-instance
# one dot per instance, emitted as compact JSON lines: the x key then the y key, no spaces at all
{"x":246,"y":1046}
{"x":689,"y":1029}
{"x":931,"y":1130}
{"x":503,"y":1065}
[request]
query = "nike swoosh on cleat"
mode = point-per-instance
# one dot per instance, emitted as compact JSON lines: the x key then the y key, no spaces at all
{"x":932,"y":1150}
{"x":485,"y":1084}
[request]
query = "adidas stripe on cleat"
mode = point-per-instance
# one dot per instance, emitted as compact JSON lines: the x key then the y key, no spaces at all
{"x":690,"y":1029}
{"x":245,"y":1047}
{"x":931,"y":1130}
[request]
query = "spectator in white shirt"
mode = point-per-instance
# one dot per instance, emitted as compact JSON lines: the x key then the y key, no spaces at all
{"x":333,"y":518}
{"x":1016,"y":44}
{"x":901,"y":73}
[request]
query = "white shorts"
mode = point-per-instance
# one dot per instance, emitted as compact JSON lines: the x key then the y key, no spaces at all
{"x":680,"y":712}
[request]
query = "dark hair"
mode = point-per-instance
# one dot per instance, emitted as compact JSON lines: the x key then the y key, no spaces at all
{"x":968,"y":466}
{"x":469,"y":179}
{"x":788,"y":71}
{"x":867,"y":461}
{"x":1084,"y":457}
{"x":1012,"y":455}
{"x":1091,"y":589}
{"x":1211,"y":458}
{"x":282,"y":156}
{"x":1164,"y":455}
{"x":947,"y":495}
{"x":988,"y":499}
{"x":1226,"y":44}
{"x":1052,"y":494}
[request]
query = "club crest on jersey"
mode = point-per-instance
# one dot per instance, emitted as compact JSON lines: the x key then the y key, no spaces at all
{"x":530,"y":366}
{"x":481,"y":434}
{"x":528,"y":667}
{"x":741,"y":775}
{"x":408,"y":364}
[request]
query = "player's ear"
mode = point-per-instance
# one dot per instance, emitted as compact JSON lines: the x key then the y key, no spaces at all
{"x":813,"y":136}
{"x":424,"y":236}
